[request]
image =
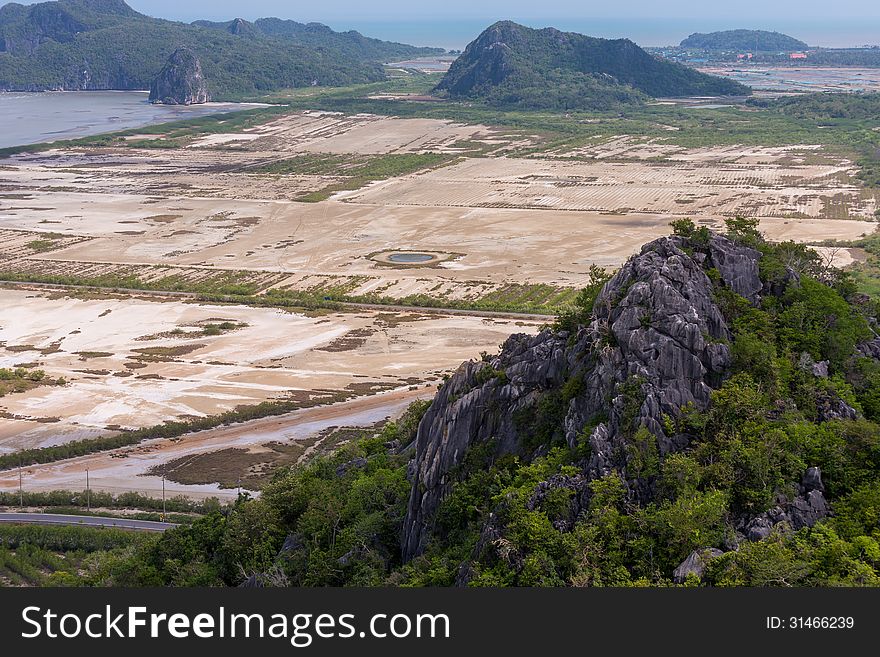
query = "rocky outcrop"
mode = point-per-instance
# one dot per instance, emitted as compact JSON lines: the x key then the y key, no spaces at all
{"x":695,"y":564}
{"x":181,"y":81}
{"x":657,"y":342}
{"x":478,"y":406}
{"x":805,"y":510}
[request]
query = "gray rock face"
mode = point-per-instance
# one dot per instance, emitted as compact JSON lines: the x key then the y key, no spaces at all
{"x":656,"y":343}
{"x":695,"y":564}
{"x":466,"y":412}
{"x":813,"y":480}
{"x":805,"y":510}
{"x":181,"y":81}
{"x":656,"y":328}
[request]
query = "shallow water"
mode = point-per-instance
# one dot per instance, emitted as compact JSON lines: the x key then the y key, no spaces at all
{"x":410,"y":258}
{"x":31,"y":118}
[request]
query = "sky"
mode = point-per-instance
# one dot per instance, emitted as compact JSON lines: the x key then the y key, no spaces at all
{"x":450,"y":9}
{"x":453,"y":23}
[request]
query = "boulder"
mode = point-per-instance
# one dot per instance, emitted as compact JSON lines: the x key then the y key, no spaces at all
{"x":695,"y":564}
{"x":812,"y":480}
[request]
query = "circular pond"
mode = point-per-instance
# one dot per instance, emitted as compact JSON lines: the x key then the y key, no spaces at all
{"x":410,"y":258}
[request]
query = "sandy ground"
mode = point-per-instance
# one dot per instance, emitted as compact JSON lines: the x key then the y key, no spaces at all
{"x":333,"y":243}
{"x":688,"y":188}
{"x":369,"y":134}
{"x":94,"y":345}
{"x":125,"y":469}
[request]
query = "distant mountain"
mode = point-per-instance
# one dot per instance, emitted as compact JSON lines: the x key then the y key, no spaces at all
{"x":315,"y":35}
{"x":510,"y":65}
{"x":105,"y":44}
{"x":238,"y":27}
{"x":747,"y":40}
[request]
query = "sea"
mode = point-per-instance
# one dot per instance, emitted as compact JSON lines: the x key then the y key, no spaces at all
{"x":31,"y":118}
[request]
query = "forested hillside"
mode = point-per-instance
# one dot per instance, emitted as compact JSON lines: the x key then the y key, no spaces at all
{"x":744,"y":40}
{"x":104,"y":44}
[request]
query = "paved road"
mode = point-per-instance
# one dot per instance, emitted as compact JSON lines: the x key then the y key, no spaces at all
{"x":88,"y":521}
{"x":500,"y":314}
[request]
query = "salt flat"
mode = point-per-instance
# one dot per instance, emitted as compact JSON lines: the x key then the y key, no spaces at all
{"x":132,"y":363}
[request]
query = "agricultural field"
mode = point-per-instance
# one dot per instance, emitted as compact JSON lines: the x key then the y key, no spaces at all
{"x":698,"y":186}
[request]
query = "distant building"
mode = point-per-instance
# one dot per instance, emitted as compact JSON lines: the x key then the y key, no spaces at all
{"x":746,"y":55}
{"x":798,"y":55}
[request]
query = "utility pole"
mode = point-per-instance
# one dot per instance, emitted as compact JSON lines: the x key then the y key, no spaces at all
{"x":163,"y":492}
{"x":20,"y":489}
{"x":88,"y":492}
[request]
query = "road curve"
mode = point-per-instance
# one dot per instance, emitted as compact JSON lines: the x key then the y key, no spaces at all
{"x":86,"y":521}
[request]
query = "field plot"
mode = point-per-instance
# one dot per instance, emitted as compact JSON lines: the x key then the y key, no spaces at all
{"x":627,"y":148}
{"x":333,"y":132}
{"x":151,"y":173}
{"x":686,"y":188}
{"x":809,"y":79}
{"x":306,"y":210}
{"x":132,"y":363}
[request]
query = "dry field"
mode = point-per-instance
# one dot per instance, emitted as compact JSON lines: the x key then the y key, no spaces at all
{"x":366,"y":134}
{"x":133,"y":363}
{"x":697,"y":187}
{"x":807,"y":79}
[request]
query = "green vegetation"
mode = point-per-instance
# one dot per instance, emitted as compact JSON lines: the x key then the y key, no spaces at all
{"x":226,"y":282}
{"x":578,"y":314}
{"x":549,"y":69}
{"x":32,"y":555}
{"x":92,"y":44}
{"x":241,"y":287}
{"x":354,"y":170}
{"x":42,"y":245}
{"x":22,"y":379}
{"x":101,"y":499}
{"x":743,"y":41}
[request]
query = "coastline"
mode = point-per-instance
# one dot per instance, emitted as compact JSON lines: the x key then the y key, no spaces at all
{"x":33,"y":117}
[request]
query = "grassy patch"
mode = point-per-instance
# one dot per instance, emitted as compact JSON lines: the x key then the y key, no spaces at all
{"x":22,"y":379}
{"x":355,"y":170}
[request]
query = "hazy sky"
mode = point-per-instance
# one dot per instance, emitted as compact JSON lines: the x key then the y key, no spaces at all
{"x":649,"y":22}
{"x":359,"y":10}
